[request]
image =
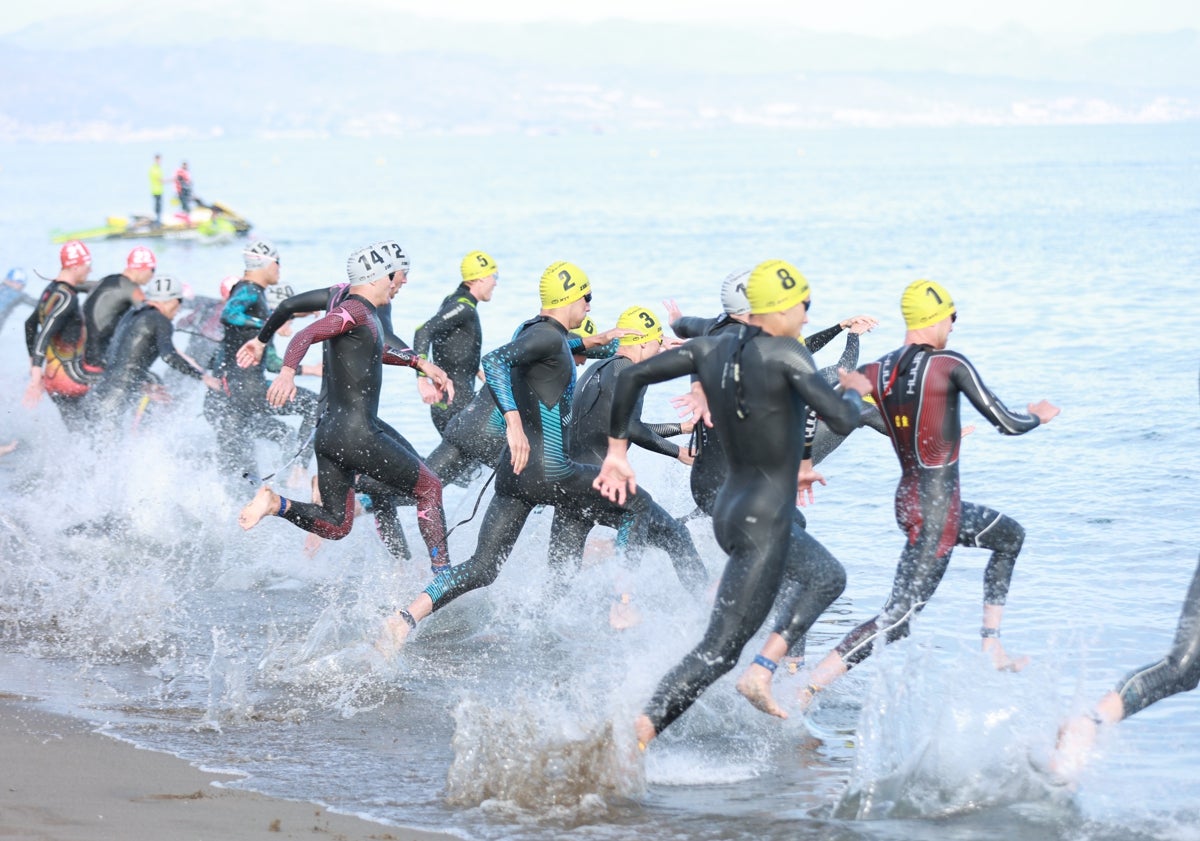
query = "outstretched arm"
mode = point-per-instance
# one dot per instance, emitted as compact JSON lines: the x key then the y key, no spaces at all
{"x":968,"y":381}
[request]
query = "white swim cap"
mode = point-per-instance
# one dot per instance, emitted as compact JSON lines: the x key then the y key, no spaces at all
{"x":164,"y":288}
{"x":375,"y":261}
{"x":733,"y":293}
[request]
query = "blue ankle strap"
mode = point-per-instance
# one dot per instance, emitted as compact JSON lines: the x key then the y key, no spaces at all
{"x":769,"y":665}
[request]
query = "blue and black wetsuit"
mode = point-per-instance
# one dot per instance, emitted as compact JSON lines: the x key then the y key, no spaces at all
{"x":534,"y":375}
{"x":142,"y":336}
{"x":588,"y":436}
{"x":917,"y":390}
{"x":759,"y":388}
{"x":454,"y":338}
{"x":241,"y":415}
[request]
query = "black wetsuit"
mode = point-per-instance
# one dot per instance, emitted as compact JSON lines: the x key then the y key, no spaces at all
{"x":239,"y":418}
{"x":917,"y":390}
{"x":760,"y":416}
{"x":351,"y":439}
{"x":142,"y":335}
{"x":534,"y":375}
{"x":455,"y":337}
{"x":1179,"y":671}
{"x":114,"y":296}
{"x":588,"y":437}
{"x":54,"y":337}
{"x":380,"y":500}
{"x":711,"y":465}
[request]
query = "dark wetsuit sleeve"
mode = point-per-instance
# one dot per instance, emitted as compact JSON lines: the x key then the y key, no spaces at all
{"x":342,"y":319}
{"x":31,"y":332}
{"x":452,"y":315}
{"x":692,"y":326}
{"x":645,"y":437}
{"x":315,"y":300}
{"x":400,"y":356}
{"x":967,"y":379}
{"x":668,"y":365}
{"x":666,"y":430}
{"x":526,"y":348}
{"x":840,"y":411}
{"x":166,"y":349}
{"x":608,"y":351}
{"x":818,"y":340}
{"x":57,"y":311}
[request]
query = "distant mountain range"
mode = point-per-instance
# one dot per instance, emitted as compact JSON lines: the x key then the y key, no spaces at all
{"x":304,"y":68}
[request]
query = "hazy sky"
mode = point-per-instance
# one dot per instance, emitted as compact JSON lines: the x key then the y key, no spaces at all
{"x":1067,"y":18}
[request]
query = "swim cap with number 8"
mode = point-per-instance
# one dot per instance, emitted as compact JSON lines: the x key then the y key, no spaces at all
{"x":563,"y":283}
{"x":775,"y":286}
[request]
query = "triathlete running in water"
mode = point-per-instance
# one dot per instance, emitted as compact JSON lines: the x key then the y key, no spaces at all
{"x":917,"y":388}
{"x":351,"y":440}
{"x":114,"y":296}
{"x":453,"y":337}
{"x":760,"y":381}
{"x":533,"y":380}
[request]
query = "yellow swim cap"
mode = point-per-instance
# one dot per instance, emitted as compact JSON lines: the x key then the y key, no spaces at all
{"x":640,"y":318}
{"x":563,"y":283}
{"x":477,"y":265}
{"x":588,"y":328}
{"x":924,"y":303}
{"x":775,"y":286}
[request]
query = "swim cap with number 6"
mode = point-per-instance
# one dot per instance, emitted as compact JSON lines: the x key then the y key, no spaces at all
{"x":775,"y":286}
{"x":924,"y":303}
{"x":563,"y":283}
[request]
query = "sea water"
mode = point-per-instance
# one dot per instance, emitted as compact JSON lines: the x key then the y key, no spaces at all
{"x":129,"y":595}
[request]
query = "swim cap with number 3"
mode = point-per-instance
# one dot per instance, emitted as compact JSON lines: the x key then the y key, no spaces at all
{"x":644,"y":321}
{"x":775,"y":286}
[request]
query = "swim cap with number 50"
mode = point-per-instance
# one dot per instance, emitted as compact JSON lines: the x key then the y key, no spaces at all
{"x":563,"y":283}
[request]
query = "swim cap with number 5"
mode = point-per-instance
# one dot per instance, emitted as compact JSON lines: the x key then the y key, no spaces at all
{"x":477,"y":265}
{"x":775,"y":286}
{"x":563,"y":283}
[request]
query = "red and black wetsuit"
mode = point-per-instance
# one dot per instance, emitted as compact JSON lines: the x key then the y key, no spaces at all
{"x":917,"y":390}
{"x":351,"y":439}
{"x":54,"y":337}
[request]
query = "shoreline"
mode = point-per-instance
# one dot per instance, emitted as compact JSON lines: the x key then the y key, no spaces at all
{"x":63,"y":781}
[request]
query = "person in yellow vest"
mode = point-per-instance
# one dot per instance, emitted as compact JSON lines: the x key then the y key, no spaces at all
{"x":156,"y":188}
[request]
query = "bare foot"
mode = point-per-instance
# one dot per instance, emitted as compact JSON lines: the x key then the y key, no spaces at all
{"x":265,"y":502}
{"x":312,"y":544}
{"x":391,"y":638}
{"x":1075,"y":740}
{"x":623,"y":615}
{"x":755,"y":686}
{"x":8,"y":448}
{"x":1001,"y":659}
{"x":643,"y":730}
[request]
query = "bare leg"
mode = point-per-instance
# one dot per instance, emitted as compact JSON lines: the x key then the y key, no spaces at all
{"x":1077,"y":735}
{"x":755,"y":682}
{"x":826,"y":672}
{"x":396,"y":627}
{"x":265,"y":502}
{"x":991,"y":645}
{"x":8,"y":448}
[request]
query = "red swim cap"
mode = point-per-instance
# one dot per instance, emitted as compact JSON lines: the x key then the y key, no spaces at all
{"x":227,"y":284}
{"x":74,"y":253}
{"x":141,"y":258}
